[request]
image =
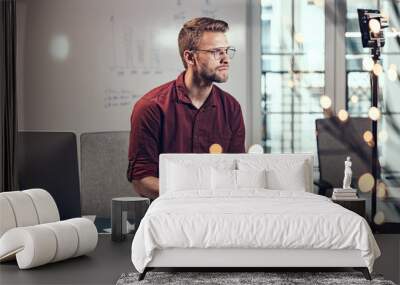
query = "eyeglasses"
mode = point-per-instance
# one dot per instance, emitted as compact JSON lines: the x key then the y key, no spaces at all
{"x":218,"y":53}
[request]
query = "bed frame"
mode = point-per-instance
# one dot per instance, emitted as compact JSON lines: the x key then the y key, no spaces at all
{"x":243,"y":259}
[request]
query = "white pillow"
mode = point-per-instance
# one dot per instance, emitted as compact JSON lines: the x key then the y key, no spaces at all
{"x":223,"y":179}
{"x":251,"y":178}
{"x":281,"y":174}
{"x":291,"y":178}
{"x":227,"y":179}
{"x":182,"y":177}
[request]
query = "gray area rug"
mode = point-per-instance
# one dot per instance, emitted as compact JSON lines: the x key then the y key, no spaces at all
{"x":228,"y":278}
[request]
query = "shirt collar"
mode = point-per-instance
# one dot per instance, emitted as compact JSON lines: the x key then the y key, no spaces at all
{"x":182,"y":92}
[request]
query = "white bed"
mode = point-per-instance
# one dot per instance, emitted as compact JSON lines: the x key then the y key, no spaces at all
{"x":226,"y":219}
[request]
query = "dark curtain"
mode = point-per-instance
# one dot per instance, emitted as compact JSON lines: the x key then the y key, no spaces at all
{"x":8,"y":115}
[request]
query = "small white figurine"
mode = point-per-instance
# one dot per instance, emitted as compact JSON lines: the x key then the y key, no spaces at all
{"x":347,"y":174}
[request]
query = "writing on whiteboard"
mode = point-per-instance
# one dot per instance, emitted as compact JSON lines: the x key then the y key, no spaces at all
{"x":119,"y":97}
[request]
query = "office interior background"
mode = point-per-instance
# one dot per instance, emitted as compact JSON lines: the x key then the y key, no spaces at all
{"x":84,"y":73}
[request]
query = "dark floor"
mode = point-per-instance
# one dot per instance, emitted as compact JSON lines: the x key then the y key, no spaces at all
{"x":102,"y":266}
{"x":110,"y":259}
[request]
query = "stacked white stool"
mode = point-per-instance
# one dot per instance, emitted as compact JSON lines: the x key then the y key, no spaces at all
{"x":31,"y":230}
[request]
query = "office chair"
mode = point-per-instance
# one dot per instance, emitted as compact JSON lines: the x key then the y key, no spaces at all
{"x":49,"y":160}
{"x":335,"y":141}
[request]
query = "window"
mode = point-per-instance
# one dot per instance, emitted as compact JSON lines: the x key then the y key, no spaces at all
{"x":293,"y":77}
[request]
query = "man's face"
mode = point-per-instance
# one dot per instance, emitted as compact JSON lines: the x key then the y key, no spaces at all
{"x":212,"y":66}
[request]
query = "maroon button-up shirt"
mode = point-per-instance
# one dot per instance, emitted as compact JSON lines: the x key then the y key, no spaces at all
{"x":165,"y":121}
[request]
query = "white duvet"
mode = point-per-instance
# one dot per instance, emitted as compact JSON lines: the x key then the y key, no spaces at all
{"x":253,"y":218}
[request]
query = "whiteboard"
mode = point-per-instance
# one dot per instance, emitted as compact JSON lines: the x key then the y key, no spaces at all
{"x":86,"y":62}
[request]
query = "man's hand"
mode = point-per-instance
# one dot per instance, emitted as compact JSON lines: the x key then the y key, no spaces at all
{"x":147,"y":187}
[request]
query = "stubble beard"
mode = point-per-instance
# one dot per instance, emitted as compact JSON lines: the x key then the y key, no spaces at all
{"x":208,"y":77}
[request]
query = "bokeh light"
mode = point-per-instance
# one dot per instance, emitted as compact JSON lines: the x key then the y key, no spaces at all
{"x":299,"y":38}
{"x":392,"y":72}
{"x":379,"y":218}
{"x":366,"y":182}
{"x":343,"y":115}
{"x":377,"y":69}
{"x":374,"y":113}
{"x":368,"y":136}
{"x":215,"y":148}
{"x":381,"y":190}
{"x":354,"y":99}
{"x":325,"y":102}
{"x":383,"y":136}
{"x":256,"y":148}
{"x":368,"y":63}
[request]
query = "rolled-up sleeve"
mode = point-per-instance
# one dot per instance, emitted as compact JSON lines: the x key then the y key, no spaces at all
{"x":144,"y":140}
{"x":238,"y":131}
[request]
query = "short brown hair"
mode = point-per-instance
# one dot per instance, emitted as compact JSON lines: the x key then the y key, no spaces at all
{"x":192,"y":31}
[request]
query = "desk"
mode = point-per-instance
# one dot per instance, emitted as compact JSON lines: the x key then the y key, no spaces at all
{"x":102,"y":266}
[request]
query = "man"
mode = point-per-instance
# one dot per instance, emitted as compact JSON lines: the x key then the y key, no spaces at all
{"x":189,"y":114}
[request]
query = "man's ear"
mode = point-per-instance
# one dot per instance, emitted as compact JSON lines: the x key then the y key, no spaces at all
{"x":189,"y":57}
